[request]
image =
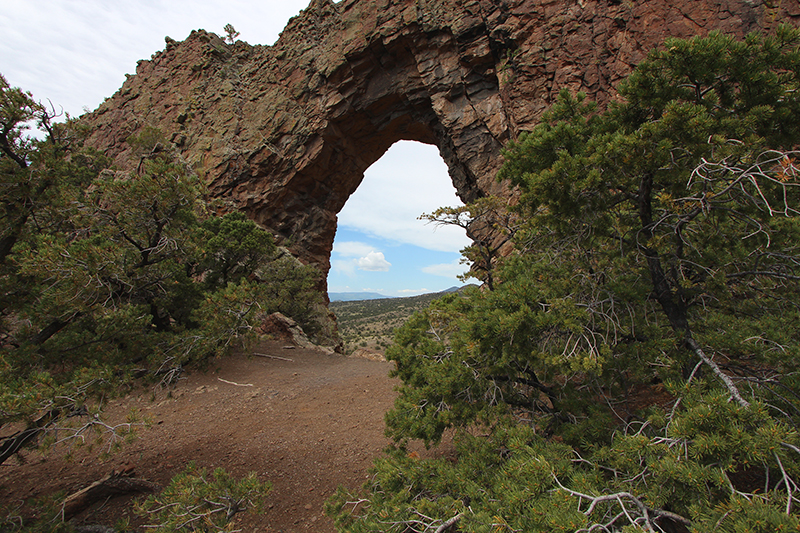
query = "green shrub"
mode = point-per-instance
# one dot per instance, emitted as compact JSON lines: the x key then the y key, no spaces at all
{"x":196,"y":500}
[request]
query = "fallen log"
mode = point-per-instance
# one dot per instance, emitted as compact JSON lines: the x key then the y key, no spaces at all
{"x":114,"y":484}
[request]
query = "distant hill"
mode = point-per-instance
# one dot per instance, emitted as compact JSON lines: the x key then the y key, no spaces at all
{"x":370,"y":323}
{"x":354,"y":296}
{"x":363,"y":296}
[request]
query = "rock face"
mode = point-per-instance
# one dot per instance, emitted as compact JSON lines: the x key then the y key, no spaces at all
{"x":285,"y":132}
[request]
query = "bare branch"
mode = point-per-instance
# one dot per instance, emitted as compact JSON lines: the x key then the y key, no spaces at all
{"x":729,"y":384}
{"x":449,"y":523}
{"x":618,"y":497}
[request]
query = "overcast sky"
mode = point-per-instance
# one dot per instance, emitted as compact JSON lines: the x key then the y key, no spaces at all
{"x":77,"y":52}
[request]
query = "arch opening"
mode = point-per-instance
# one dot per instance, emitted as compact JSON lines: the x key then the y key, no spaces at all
{"x":381,"y":247}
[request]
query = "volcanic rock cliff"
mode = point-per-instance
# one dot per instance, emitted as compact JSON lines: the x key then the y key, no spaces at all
{"x":285,"y":132}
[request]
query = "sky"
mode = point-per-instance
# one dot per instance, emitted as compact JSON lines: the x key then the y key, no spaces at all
{"x":75,"y":53}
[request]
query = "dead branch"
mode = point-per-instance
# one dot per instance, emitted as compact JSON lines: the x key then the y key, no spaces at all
{"x":729,"y":384}
{"x":234,"y":383}
{"x":427,"y":523}
{"x":449,"y":523}
{"x":646,"y":514}
{"x":274,"y":357}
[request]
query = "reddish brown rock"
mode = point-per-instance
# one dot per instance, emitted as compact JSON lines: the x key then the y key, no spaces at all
{"x":285,"y":132}
{"x":278,"y":326}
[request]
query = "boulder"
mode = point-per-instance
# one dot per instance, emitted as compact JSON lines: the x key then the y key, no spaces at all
{"x":280,"y":327}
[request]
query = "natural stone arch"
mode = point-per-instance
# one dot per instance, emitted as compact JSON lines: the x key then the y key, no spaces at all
{"x":358,"y":131}
{"x":285,"y":132}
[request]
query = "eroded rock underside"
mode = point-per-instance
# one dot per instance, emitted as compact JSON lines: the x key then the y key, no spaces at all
{"x":285,"y":132}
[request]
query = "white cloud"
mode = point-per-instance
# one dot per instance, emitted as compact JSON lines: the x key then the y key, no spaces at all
{"x":409,"y":180}
{"x":351,"y":255}
{"x":412,"y":292}
{"x":447,"y":270}
{"x":374,"y":262}
{"x":352,"y":248}
{"x":346,"y":267}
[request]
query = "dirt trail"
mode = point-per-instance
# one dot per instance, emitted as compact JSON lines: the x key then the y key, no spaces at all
{"x":307,"y":425}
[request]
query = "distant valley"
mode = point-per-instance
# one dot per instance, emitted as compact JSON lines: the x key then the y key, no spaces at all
{"x":370,"y":321}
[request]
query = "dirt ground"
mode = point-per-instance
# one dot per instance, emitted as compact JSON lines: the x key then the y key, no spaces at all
{"x":307,"y":424}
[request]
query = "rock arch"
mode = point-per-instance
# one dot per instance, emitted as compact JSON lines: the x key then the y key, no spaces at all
{"x":285,"y":132}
